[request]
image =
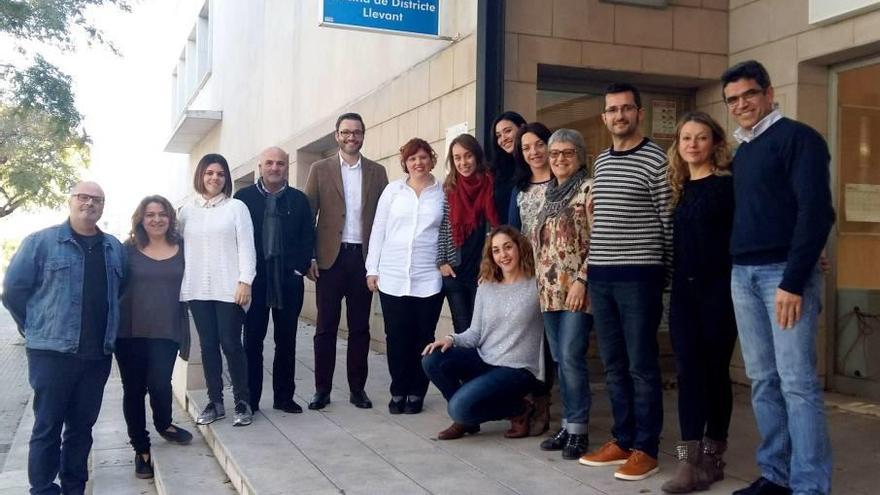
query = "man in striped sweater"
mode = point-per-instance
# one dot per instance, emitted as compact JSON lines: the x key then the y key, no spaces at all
{"x":630,"y":253}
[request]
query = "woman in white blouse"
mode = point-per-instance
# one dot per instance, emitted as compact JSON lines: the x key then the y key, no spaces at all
{"x":220,"y":267}
{"x":401,"y":265}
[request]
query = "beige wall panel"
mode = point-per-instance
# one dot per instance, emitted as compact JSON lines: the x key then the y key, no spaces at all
{"x":587,"y":20}
{"x":533,"y":49}
{"x":735,"y":4}
{"x":453,"y":109}
{"x":779,"y":57}
{"x":812,"y":107}
{"x":464,"y":61}
{"x":397,"y":94}
{"x":440,"y":81}
{"x":686,"y":3}
{"x":866,"y":28}
{"x":671,"y":62}
{"x":749,"y":25}
{"x":788,"y":17}
{"x":408,"y":126}
{"x":511,"y":51}
{"x":417,"y":86}
{"x":700,"y":30}
{"x":825,"y":40}
{"x":712,"y":66}
{"x":521,"y":97}
{"x":527,"y":17}
{"x":643,"y":27}
{"x":608,"y":56}
{"x":709,"y":94}
{"x":429,"y":120}
{"x":716,"y":4}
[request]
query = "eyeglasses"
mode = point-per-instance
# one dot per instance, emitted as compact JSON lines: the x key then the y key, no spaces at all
{"x":748,"y":95}
{"x":621,"y":109}
{"x":85,"y":198}
{"x":347,"y":134}
{"x":567,"y":153}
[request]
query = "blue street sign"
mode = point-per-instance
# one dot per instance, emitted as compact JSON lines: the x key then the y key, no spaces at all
{"x":420,"y":17}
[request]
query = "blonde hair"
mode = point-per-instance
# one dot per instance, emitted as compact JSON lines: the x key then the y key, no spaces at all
{"x":678,"y":172}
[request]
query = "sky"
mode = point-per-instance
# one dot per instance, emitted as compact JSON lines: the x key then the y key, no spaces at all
{"x":126,"y":104}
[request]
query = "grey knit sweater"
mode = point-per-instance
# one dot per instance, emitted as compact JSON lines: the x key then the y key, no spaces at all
{"x":507,"y":328}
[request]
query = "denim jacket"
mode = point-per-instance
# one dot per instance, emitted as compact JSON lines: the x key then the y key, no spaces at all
{"x":43,"y":289}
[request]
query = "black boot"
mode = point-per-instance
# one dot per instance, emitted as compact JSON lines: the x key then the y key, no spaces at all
{"x":557,"y":441}
{"x":576,"y":446}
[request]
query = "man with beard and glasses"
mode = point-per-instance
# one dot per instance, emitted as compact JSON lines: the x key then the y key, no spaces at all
{"x":284,"y":237}
{"x":343,"y":191}
{"x":62,"y":288}
{"x":630,"y":257}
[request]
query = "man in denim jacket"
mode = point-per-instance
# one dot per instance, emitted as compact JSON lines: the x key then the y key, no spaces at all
{"x":62,"y":289}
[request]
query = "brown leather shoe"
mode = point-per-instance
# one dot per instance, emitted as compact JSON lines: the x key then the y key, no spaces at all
{"x":456,"y":431}
{"x":519,"y":425}
{"x":540,"y":421}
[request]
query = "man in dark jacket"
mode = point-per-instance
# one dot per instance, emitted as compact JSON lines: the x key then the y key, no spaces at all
{"x":284,"y":239}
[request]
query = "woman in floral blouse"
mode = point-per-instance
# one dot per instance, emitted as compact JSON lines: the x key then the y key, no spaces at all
{"x":561,"y":265}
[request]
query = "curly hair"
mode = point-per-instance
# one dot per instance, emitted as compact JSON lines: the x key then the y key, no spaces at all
{"x":678,"y":173}
{"x":138,"y":236}
{"x":490,"y":271}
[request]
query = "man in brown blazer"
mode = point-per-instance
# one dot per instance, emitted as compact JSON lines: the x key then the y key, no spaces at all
{"x":343,"y":191}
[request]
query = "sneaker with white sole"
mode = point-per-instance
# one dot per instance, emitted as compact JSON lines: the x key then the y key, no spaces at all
{"x":212,"y":412}
{"x":609,"y":454}
{"x":242,"y":415}
{"x":638,"y":467}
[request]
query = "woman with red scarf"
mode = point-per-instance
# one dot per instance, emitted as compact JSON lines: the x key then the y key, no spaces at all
{"x":469,"y":213}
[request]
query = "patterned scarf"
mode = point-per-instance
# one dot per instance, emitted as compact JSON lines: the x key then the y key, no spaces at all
{"x":558,"y":196}
{"x":273,"y":247}
{"x":470,"y":202}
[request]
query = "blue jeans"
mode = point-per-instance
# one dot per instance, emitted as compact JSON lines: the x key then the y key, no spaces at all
{"x":568,"y":333}
{"x":477,"y":391}
{"x":786,"y":395}
{"x":627,"y":315}
{"x":67,"y":396}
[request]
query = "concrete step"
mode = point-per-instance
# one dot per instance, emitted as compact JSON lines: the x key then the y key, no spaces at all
{"x":188,"y":469}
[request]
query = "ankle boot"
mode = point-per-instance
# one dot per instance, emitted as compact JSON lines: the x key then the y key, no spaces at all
{"x":519,"y":425}
{"x":688,"y":475}
{"x":712,"y":462}
{"x":540,"y":421}
{"x":575,"y":446}
{"x":457,"y":430}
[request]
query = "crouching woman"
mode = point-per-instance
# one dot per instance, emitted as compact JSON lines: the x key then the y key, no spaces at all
{"x":486,"y":372}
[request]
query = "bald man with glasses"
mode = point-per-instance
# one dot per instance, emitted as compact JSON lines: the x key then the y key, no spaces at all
{"x":62,"y":289}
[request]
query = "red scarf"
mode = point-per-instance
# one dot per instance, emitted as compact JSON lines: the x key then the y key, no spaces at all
{"x":469,"y":203}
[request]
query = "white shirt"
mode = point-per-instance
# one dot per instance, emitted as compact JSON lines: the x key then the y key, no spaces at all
{"x":403,"y":243}
{"x":745,"y":136}
{"x":218,"y":239}
{"x":352,"y":176}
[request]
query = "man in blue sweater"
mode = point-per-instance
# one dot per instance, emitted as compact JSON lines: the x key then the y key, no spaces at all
{"x":781,"y":221}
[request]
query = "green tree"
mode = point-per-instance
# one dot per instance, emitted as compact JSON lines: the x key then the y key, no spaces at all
{"x":43,"y":145}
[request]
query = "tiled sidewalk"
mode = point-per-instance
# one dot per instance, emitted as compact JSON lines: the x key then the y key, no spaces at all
{"x":347,"y":450}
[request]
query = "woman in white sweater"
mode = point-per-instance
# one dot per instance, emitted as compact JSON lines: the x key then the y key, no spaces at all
{"x":220,"y":267}
{"x":401,"y":265}
{"x":485,"y":372}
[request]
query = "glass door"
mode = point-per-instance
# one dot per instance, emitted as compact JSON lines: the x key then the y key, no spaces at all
{"x":855,"y":113}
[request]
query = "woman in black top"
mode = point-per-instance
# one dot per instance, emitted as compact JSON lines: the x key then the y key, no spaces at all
{"x":701,"y":319}
{"x":152,"y":326}
{"x":501,"y":158}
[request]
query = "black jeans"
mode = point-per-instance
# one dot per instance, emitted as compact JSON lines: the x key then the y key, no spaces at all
{"x":67,"y":394}
{"x":410,"y":323}
{"x":703,"y":331}
{"x":145,"y":365}
{"x":284,"y":331}
{"x":461,"y":294}
{"x":219,"y":326}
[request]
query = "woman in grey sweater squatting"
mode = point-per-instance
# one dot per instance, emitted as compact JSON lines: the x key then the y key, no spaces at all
{"x":485,"y":372}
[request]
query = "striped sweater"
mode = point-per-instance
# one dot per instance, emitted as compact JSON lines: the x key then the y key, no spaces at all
{"x":631,"y":237}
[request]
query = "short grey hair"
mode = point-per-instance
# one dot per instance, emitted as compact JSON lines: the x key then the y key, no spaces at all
{"x":574,"y":137}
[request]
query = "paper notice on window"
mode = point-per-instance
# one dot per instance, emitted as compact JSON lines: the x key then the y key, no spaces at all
{"x":862,"y":202}
{"x":664,"y":119}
